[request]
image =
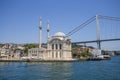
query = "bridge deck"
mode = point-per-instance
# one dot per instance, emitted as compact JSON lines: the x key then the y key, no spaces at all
{"x":93,"y":41}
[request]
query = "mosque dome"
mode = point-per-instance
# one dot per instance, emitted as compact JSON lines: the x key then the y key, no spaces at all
{"x":59,"y":34}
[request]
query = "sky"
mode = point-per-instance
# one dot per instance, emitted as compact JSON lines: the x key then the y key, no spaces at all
{"x":19,"y":19}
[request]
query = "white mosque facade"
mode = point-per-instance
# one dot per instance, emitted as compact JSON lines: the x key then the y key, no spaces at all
{"x":58,"y":47}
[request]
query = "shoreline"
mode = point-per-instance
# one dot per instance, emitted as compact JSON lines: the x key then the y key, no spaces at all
{"x":39,"y":60}
{"x":74,"y":60}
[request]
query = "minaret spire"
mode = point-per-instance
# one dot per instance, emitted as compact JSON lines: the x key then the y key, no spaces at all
{"x":40,"y":34}
{"x":48,"y":30}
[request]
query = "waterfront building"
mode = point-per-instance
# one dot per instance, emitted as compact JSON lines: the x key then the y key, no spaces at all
{"x":3,"y":55}
{"x":11,"y":52}
{"x":96,"y":52}
{"x":58,"y":47}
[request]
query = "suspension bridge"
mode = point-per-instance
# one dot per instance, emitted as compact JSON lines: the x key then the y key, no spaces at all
{"x":104,"y":26}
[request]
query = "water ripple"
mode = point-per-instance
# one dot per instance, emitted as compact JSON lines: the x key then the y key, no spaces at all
{"x":86,"y":70}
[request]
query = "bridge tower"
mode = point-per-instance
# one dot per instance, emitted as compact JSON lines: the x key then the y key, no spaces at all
{"x":98,"y":32}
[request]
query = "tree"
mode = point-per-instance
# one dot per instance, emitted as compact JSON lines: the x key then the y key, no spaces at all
{"x":84,"y":54}
{"x":29,"y":46}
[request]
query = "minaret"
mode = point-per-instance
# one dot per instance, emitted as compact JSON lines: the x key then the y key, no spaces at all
{"x":48,"y":38}
{"x":40,"y":34}
{"x":48,"y":30}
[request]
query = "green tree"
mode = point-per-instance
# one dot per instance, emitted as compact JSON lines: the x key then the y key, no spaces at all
{"x":84,"y":54}
{"x":29,"y":46}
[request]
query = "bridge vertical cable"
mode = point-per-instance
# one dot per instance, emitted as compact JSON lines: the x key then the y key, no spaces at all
{"x":108,"y":30}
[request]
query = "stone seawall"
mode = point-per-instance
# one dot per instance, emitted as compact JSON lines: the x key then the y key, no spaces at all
{"x":39,"y":60}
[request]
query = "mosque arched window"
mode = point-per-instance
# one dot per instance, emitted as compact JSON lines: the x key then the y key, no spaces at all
{"x":60,"y":46}
{"x":56,"y":46}
{"x":52,"y":46}
{"x":68,"y":42}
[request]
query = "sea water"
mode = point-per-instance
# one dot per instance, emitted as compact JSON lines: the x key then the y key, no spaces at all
{"x":83,"y":70}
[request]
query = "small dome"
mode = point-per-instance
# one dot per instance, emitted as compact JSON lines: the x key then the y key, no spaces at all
{"x":59,"y":34}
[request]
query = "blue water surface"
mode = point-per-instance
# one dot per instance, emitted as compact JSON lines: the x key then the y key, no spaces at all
{"x":83,"y":70}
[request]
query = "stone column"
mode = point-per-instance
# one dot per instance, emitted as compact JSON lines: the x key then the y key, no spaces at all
{"x":58,"y":50}
{"x":54,"y":51}
{"x":37,"y":53}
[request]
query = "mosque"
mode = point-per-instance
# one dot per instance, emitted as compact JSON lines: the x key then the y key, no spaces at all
{"x":58,"y":47}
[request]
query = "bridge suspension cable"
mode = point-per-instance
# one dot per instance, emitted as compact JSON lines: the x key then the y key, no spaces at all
{"x":81,"y":26}
{"x":89,"y":21}
{"x":109,"y":18}
{"x":109,"y":27}
{"x":108,"y":30}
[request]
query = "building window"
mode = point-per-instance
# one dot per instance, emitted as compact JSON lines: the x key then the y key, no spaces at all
{"x":52,"y":46}
{"x":60,"y":46}
{"x":56,"y":46}
{"x":41,"y":51}
{"x":34,"y":54}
